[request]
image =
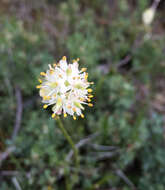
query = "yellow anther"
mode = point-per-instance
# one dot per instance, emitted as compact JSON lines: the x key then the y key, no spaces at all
{"x":89,"y":100}
{"x":69,"y":106}
{"x":90,"y":90}
{"x":78,"y":77}
{"x":65,"y":115}
{"x":69,"y":71}
{"x":78,"y":59}
{"x":49,"y":188}
{"x":74,"y":109}
{"x":91,"y":82}
{"x":59,"y":100}
{"x":54,"y":95}
{"x":42,"y":74}
{"x":82,"y":115}
{"x":86,"y":76}
{"x":53,"y":115}
{"x":39,"y":80}
{"x":54,"y":84}
{"x":90,"y":96}
{"x":54,"y":64}
{"x":81,"y":99}
{"x":45,"y":106}
{"x":60,"y":75}
{"x":74,"y":78}
{"x":83,"y":69}
{"x":90,"y":105}
{"x":74,"y":117}
{"x":51,"y":71}
{"x":46,"y":98}
{"x":38,"y":86}
{"x":64,"y":58}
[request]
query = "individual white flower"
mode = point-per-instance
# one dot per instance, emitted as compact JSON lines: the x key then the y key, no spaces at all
{"x":66,"y":88}
{"x":148,"y":16}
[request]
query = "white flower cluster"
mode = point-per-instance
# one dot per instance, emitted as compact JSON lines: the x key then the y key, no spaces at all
{"x":66,"y":88}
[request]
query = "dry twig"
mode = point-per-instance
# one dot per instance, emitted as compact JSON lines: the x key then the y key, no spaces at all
{"x":18,"y":113}
{"x":16,"y":183}
{"x":4,"y":155}
{"x":125,"y":179}
{"x":80,"y":144}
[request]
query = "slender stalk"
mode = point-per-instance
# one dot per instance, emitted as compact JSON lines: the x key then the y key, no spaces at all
{"x":69,"y":139}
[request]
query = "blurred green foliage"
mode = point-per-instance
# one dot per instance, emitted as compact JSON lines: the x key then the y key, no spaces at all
{"x":124,"y":58}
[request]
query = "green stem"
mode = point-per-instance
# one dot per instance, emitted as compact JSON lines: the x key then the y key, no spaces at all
{"x":69,"y":139}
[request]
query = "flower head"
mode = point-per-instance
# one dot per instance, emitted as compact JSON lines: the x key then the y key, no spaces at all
{"x":66,"y":88}
{"x":148,"y":16}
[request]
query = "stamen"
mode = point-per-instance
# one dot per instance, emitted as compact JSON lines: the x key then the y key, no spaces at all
{"x":90,"y":96}
{"x":78,"y":105}
{"x":51,"y":71}
{"x":74,"y":109}
{"x":53,"y":115}
{"x":65,"y":115}
{"x":59,"y":102}
{"x":54,"y":84}
{"x":82,"y":115}
{"x":74,"y":117}
{"x":42,"y":74}
{"x":39,"y":80}
{"x":90,"y":105}
{"x":50,"y":67}
{"x":46,"y":98}
{"x":89,"y":100}
{"x":45,"y":106}
{"x":90,"y":90}
{"x":83,"y":69}
{"x":69,"y":71}
{"x":38,"y":86}
{"x":86,"y":76}
{"x":81,"y":99}
{"x":64,"y":58}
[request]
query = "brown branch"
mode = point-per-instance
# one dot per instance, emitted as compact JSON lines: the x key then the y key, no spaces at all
{"x":81,"y":143}
{"x":125,"y":179}
{"x":124,"y":61}
{"x":9,"y":173}
{"x":18,"y":112}
{"x":4,"y":155}
{"x":155,"y":4}
{"x":10,"y":149}
{"x":102,"y":147}
{"x":16,"y":183}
